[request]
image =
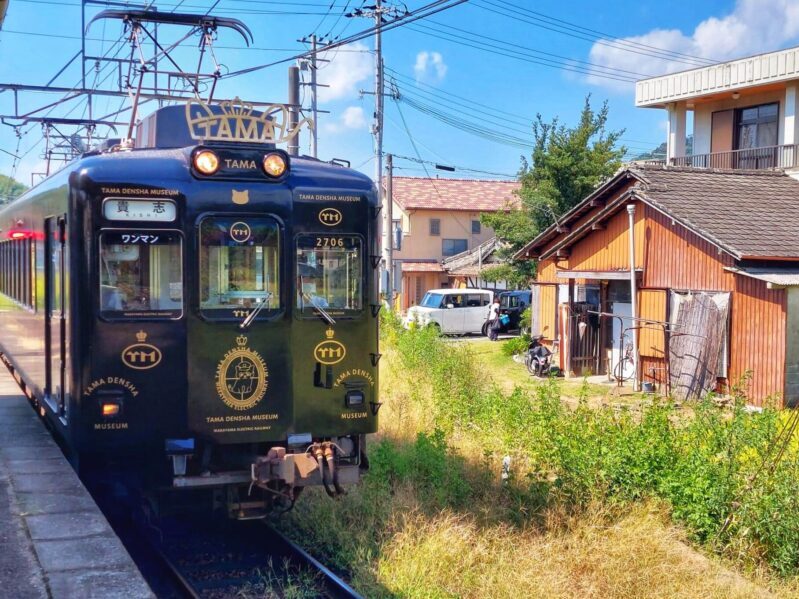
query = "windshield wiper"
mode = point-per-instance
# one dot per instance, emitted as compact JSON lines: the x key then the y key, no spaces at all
{"x":251,"y":316}
{"x":318,"y":307}
{"x":322,"y":312}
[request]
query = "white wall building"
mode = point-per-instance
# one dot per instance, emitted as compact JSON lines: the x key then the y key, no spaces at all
{"x":744,"y":112}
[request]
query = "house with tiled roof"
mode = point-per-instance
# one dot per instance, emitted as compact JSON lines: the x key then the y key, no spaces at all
{"x":680,"y":277}
{"x":439,"y":219}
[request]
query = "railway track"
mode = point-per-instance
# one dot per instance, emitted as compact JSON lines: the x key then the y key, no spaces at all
{"x":216,"y":560}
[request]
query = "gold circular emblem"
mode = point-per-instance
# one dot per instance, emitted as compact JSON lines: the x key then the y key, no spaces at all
{"x":241,"y":378}
{"x":141,"y":356}
{"x":329,"y":352}
{"x":330,"y":217}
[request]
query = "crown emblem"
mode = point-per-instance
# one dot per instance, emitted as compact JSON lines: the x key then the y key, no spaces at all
{"x":241,"y":340}
{"x":330,"y":333}
{"x":234,"y":120}
{"x":141,"y":336}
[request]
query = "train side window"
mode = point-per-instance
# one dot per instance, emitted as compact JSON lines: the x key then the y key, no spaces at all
{"x":239,"y":266}
{"x":141,"y":274}
{"x":329,"y":274}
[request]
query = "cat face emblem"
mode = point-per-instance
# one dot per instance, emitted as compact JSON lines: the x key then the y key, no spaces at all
{"x":241,"y":197}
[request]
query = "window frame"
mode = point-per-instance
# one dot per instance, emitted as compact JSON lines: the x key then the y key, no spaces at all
{"x":309,"y":314}
{"x":445,"y":239}
{"x":478,"y":229}
{"x":104,"y":315}
{"x":738,"y":121}
{"x":437,"y":232}
{"x":206,"y":313}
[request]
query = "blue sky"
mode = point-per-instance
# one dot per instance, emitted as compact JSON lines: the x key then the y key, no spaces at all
{"x":430,"y":63}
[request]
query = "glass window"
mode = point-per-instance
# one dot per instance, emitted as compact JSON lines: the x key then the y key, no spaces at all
{"x":476,"y":227}
{"x":432,"y":300}
{"x":239,"y":266}
{"x":435,"y":227}
{"x":141,"y":274}
{"x":476,"y":300}
{"x":757,"y":126}
{"x":450,"y":247}
{"x":329,"y":274}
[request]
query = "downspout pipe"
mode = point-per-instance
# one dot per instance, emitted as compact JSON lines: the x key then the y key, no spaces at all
{"x":634,"y":295}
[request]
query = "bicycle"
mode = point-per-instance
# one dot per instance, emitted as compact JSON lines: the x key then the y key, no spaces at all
{"x":627,"y":358}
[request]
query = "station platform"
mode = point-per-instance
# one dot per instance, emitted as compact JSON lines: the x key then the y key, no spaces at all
{"x":54,"y":541}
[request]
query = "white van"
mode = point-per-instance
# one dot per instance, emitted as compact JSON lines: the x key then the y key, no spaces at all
{"x":453,"y":311}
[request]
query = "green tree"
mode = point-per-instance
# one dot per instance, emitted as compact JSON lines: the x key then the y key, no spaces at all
{"x":10,"y":189}
{"x":567,"y":164}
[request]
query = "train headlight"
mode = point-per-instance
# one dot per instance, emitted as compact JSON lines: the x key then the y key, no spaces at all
{"x":274,"y":164}
{"x":206,"y":162}
{"x":111,"y":409}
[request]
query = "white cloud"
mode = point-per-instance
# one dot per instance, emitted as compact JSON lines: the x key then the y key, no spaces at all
{"x":351,"y":119}
{"x":430,"y":66}
{"x":345,"y":71}
{"x":753,"y":26}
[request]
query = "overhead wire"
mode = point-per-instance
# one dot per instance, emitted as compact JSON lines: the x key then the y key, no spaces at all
{"x":425,"y":11}
{"x":518,"y":13}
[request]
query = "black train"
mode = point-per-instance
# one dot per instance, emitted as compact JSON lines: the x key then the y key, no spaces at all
{"x":200,"y":308}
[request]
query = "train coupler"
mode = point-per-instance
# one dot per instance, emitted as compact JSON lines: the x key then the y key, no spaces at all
{"x":317,"y":466}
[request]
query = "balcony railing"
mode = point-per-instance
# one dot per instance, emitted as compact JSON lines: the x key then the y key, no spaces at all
{"x":769,"y":157}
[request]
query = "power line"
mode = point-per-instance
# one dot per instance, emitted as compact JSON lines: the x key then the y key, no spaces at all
{"x":492,"y":49}
{"x":473,"y":34}
{"x":420,"y":13}
{"x":575,"y":32}
{"x":456,"y":167}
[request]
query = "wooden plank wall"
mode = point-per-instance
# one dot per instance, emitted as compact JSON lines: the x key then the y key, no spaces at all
{"x":651,"y":339}
{"x":675,"y":258}
{"x":758,"y":337}
{"x":609,"y":249}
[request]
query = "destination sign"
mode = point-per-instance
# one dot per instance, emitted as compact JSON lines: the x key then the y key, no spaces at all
{"x":140,"y":210}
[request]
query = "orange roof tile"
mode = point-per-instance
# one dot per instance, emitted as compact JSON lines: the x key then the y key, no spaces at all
{"x":409,"y":266}
{"x":474,"y":195}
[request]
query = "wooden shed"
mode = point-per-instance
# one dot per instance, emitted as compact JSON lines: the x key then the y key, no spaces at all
{"x":716,"y":261}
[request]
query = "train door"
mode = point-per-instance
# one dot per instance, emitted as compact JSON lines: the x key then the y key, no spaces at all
{"x":55,"y":313}
{"x":238,"y":355}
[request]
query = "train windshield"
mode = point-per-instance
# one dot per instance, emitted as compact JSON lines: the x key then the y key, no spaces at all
{"x":329,"y":274}
{"x":141,"y":274}
{"x":239,"y":266}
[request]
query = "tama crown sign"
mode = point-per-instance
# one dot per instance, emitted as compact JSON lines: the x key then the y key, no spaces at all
{"x":234,"y":120}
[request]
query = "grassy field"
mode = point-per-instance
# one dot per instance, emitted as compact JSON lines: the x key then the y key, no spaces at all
{"x":596,"y":503}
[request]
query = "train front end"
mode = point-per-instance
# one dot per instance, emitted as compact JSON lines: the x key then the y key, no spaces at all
{"x":235,"y":336}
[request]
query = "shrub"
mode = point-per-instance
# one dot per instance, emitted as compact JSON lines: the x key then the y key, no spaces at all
{"x":717,"y":468}
{"x":515,"y":346}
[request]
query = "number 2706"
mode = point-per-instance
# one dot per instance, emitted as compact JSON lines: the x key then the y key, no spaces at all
{"x":333,"y":242}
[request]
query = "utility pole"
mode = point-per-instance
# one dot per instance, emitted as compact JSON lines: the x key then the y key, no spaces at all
{"x":377,"y":13}
{"x":294,"y":109}
{"x":388,"y":249}
{"x":377,"y":130}
{"x":314,"y":113}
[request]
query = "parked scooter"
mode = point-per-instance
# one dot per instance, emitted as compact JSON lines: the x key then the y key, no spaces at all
{"x":538,"y":357}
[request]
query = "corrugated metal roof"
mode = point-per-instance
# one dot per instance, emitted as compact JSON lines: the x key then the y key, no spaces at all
{"x":778,"y":277}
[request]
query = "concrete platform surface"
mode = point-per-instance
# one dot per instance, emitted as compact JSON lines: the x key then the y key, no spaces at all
{"x":54,"y":541}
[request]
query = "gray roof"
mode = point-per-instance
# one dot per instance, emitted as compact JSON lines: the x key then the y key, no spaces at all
{"x":774,"y":276}
{"x":748,"y":214}
{"x":468,"y":263}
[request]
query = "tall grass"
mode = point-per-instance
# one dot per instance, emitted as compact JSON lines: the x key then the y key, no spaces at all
{"x":447,"y":428}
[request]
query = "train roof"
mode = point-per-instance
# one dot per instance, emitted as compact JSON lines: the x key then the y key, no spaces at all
{"x":140,"y":165}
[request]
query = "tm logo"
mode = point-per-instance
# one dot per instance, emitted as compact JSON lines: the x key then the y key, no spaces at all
{"x":141,"y":355}
{"x":330,"y":217}
{"x":240,"y":232}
